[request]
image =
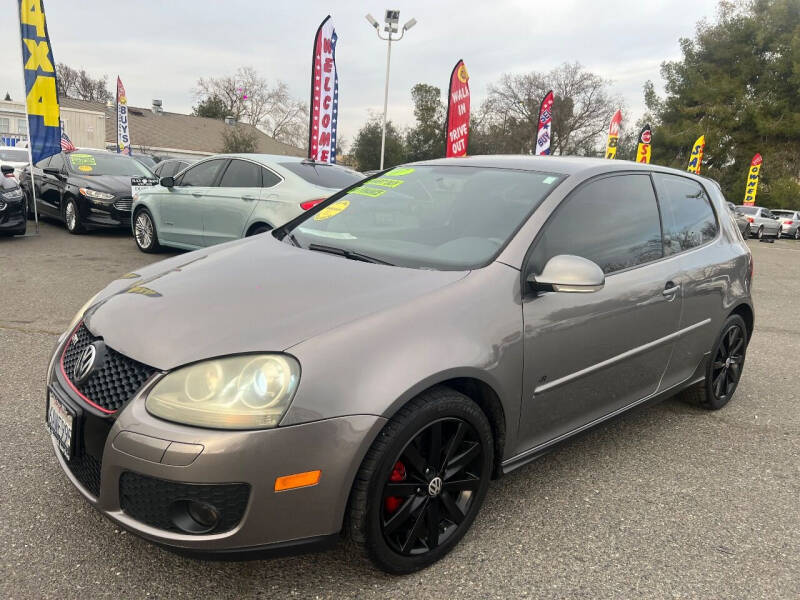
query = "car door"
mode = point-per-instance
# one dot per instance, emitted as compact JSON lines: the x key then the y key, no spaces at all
{"x":227,"y":207}
{"x":51,"y":189}
{"x":588,"y":355}
{"x":181,"y":209}
{"x":771,"y":223}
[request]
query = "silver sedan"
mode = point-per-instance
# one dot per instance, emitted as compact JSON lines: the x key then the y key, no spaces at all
{"x":762,"y":222}
{"x":790,"y":222}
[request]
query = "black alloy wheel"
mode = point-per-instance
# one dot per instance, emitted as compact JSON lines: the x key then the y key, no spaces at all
{"x":423,"y":481}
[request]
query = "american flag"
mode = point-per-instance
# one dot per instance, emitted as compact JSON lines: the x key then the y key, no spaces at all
{"x":66,"y":143}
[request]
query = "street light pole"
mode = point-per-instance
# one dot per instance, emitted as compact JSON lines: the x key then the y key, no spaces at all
{"x":391,"y":19}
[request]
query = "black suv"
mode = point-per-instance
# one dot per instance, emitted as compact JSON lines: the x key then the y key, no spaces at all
{"x":85,"y":188}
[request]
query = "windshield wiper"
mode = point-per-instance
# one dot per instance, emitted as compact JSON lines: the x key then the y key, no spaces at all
{"x":352,"y":255}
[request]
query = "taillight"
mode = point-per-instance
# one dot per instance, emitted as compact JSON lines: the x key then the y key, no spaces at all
{"x":788,"y":222}
{"x":749,"y":219}
{"x":10,"y":175}
{"x":311,"y":203}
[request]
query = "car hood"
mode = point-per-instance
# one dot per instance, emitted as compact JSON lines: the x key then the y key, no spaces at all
{"x":119,"y":185}
{"x":256,"y":294}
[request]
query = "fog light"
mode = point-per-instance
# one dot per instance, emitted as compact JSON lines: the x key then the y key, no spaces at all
{"x":193,"y":516}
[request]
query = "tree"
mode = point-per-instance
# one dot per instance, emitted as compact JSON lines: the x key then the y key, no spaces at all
{"x":248,"y":97}
{"x":367,"y":145}
{"x":581,"y":111}
{"x":71,"y":83}
{"x":736,"y":83}
{"x":239,"y":138}
{"x":426,"y":140}
{"x":211,"y":107}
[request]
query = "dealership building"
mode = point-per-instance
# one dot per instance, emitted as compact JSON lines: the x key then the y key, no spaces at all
{"x":153,"y":130}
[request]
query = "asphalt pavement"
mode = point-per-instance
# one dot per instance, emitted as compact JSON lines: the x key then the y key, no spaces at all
{"x":667,"y":502}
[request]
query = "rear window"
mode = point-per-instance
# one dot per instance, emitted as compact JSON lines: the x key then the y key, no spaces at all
{"x":14,"y":155}
{"x":327,"y":176}
{"x":748,"y":210}
{"x":688,"y":219}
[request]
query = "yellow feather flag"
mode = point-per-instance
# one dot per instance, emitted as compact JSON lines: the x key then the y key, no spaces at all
{"x":752,"y":181}
{"x":696,"y":158}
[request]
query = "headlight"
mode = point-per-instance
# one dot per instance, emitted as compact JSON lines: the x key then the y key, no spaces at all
{"x":12,"y":195}
{"x":79,"y":315}
{"x":250,"y":391}
{"x":89,"y":193}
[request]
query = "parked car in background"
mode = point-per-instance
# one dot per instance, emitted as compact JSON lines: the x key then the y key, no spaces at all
{"x":13,"y":208}
{"x":14,"y":157}
{"x":231,"y":196}
{"x":742,"y":222}
{"x":172,"y":166}
{"x":790,"y":222}
{"x":86,"y":188}
{"x":371,"y":365}
{"x":762,"y":222}
{"x":148,"y":160}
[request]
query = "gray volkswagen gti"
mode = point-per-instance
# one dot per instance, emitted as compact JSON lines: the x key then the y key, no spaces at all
{"x":370,"y":366}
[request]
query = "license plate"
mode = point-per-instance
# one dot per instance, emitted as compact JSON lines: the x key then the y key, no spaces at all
{"x":60,"y":422}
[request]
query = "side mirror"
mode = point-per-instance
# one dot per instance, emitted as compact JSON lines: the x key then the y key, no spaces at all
{"x":53,"y":171}
{"x":167,"y":181}
{"x":568,"y":273}
{"x":7,"y":170}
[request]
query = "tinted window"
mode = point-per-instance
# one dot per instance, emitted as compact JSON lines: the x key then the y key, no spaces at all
{"x":329,"y":176}
{"x":241,"y":173}
{"x":57,"y":162}
{"x":686,"y":211}
{"x":766,"y":214}
{"x":748,"y":210}
{"x":612,"y":221}
{"x":269,"y":178}
{"x":204,"y":174}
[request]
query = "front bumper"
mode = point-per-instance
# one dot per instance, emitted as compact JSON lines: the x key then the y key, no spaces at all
{"x":138,"y":444}
{"x":12,"y":215}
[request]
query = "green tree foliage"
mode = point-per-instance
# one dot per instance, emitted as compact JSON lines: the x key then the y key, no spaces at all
{"x":211,"y":107}
{"x":239,"y":138}
{"x":738,"y":83}
{"x":367,"y":145}
{"x":426,"y":140}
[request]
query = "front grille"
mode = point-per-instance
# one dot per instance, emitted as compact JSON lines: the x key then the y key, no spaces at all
{"x":115,"y":382}
{"x":149,"y":500}
{"x":90,"y":440}
{"x":86,"y":469}
{"x":123,"y":204}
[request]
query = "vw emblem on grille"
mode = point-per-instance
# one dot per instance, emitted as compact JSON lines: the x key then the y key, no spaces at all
{"x":89,"y":361}
{"x":435,"y":487}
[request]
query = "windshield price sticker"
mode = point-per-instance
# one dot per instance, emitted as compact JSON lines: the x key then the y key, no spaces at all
{"x":366,"y":191}
{"x":386,"y":182}
{"x":332,"y":210}
{"x":142,"y":183}
{"x":82,"y":160}
{"x":399,"y":172}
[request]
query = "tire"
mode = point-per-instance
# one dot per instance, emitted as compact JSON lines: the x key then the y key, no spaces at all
{"x":760,"y":233}
{"x":778,"y":234}
{"x":72,"y":218}
{"x":705,"y":393}
{"x":397,"y":531}
{"x":797,"y":233}
{"x":257,"y":229}
{"x":748,"y":233}
{"x":144,"y":232}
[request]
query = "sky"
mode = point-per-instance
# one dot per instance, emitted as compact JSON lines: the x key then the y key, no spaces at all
{"x":160,"y":48}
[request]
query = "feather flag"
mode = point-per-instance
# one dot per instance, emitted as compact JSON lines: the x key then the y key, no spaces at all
{"x":543,"y":132}
{"x":458,"y":112}
{"x":613,"y":135}
{"x":752,"y":181}
{"x":696,"y":158}
{"x":123,"y":127}
{"x":324,"y":95}
{"x":643,"y":148}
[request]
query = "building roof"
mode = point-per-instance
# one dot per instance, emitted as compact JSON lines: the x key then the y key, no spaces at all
{"x":175,"y":131}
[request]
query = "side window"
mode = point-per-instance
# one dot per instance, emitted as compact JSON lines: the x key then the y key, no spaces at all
{"x":269,"y":178}
{"x":612,"y":221}
{"x":766,"y":214}
{"x":169,"y":169}
{"x":57,"y":162}
{"x":241,"y":174}
{"x":686,"y":211}
{"x":203,"y":174}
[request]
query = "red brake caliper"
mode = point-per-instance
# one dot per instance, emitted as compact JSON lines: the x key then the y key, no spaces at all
{"x":392,"y":503}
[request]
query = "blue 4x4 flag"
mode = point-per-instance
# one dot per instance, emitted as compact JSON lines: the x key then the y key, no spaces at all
{"x":41,"y":99}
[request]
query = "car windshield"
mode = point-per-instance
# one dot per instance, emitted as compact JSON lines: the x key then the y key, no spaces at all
{"x":327,"y":176}
{"x":748,"y":210}
{"x":13,"y":155}
{"x":106,"y":163}
{"x":436,"y":217}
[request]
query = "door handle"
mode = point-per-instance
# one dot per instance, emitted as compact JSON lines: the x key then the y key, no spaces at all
{"x":671,"y":289}
{"x":248,"y":198}
{"x":197,"y":195}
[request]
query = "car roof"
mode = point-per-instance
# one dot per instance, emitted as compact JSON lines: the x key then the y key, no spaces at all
{"x":563,"y":165}
{"x":272,"y":158}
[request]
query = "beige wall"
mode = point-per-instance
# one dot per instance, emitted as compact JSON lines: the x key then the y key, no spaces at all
{"x":86,"y":129}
